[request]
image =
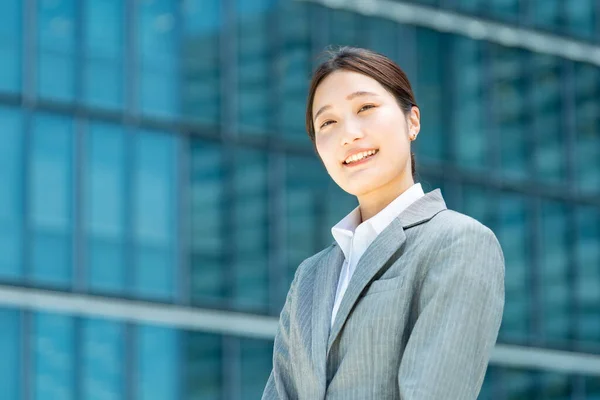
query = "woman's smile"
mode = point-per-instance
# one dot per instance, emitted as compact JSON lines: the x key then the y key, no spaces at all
{"x":354,"y":162}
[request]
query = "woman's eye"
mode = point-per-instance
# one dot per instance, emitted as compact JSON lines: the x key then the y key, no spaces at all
{"x":324,"y":124}
{"x":366,"y":107}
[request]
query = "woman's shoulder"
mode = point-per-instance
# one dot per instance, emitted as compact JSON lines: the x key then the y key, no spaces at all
{"x":451,"y":224}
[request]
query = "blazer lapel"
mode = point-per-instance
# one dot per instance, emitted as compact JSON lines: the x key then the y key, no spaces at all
{"x":326,"y":279}
{"x":379,"y":253}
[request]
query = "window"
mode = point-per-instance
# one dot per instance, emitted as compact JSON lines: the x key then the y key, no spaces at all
{"x":580,"y":17}
{"x":157,"y":363}
{"x":254,"y":28}
{"x":10,"y":346}
{"x":10,"y":45}
{"x":343,"y":27}
{"x":56,"y":49}
{"x":507,"y":10}
{"x":11,"y":200}
{"x":469,"y":104}
{"x":512,"y":230}
{"x":103,"y":366}
{"x":256,"y":364}
{"x":554,"y":274}
{"x":54,"y":360}
{"x":155,"y":214}
{"x":428,"y":92}
{"x":104,"y":48}
{"x":51,"y":205}
{"x":158,"y":57}
{"x":547,"y":111}
{"x":295,"y":64}
{"x":105,"y":197}
{"x":251,"y":230}
{"x":587,"y":122}
{"x":208,"y":208}
{"x":509,"y":108}
{"x":204,"y":366}
{"x":305,"y":183}
{"x":201,"y":89}
{"x":545,"y":13}
{"x":587,"y":290}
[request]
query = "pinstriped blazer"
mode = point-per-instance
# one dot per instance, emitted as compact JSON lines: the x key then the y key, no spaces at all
{"x":418,"y":321}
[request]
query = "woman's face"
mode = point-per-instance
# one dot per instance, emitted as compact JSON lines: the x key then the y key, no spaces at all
{"x":353,"y":114}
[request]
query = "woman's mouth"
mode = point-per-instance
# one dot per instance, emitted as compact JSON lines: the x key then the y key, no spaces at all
{"x":359,"y":159}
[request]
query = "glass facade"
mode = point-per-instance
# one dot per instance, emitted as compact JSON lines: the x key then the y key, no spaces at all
{"x":154,"y":152}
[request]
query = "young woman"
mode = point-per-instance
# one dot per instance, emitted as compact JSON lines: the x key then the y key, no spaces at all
{"x":406,"y":303}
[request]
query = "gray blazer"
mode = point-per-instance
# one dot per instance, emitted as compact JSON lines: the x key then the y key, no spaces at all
{"x":418,"y":321}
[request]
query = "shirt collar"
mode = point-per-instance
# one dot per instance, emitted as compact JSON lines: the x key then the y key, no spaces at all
{"x":344,"y":230}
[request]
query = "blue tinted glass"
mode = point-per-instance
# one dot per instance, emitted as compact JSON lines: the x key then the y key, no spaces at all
{"x":253,"y":59}
{"x":428,"y":92}
{"x":105,"y":207}
{"x":157,"y":363}
{"x":103,"y":353}
{"x":51,"y":204}
{"x":512,"y":230}
{"x":207,"y":222}
{"x":581,"y":17}
{"x":11,"y":209}
{"x":378,"y":34}
{"x":469,"y":105}
{"x":56,"y":50}
{"x":54,"y":359}
{"x":104,"y":42}
{"x":10,"y":362}
{"x":587,"y":122}
{"x":476,"y":203}
{"x":251,"y":230}
{"x":10,"y":45}
{"x":343,"y":27}
{"x":588,"y":274}
{"x":155,"y":211}
{"x":256,"y":363}
{"x":295,"y":68}
{"x":509,"y":119}
{"x":546,"y":108}
{"x":519,"y":384}
{"x":306,"y":179}
{"x":201,"y":89}
{"x":554,"y":274}
{"x":158,"y":57}
{"x":503,"y":9}
{"x":592,"y":387}
{"x":555,"y":386}
{"x":545,"y":13}
{"x":204,"y":366}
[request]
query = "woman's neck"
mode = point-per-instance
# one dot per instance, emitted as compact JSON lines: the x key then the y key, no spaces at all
{"x":373,"y":202}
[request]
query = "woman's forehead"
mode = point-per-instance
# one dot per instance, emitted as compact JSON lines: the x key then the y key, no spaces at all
{"x":344,"y":86}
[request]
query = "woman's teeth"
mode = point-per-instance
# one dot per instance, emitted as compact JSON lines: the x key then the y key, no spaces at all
{"x":359,"y":156}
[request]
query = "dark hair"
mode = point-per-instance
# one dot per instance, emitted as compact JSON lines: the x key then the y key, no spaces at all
{"x":369,"y":63}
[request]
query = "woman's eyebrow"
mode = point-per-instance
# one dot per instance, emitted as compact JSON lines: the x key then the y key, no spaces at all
{"x":349,"y":97}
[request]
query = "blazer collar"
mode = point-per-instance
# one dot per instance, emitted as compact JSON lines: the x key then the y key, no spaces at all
{"x":382,"y":251}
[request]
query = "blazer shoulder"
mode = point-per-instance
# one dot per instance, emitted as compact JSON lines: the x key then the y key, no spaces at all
{"x":454,"y":228}
{"x":451,"y":221}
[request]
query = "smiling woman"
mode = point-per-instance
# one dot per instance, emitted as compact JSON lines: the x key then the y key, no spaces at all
{"x":406,"y":303}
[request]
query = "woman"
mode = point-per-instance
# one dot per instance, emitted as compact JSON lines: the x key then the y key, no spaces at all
{"x":406,"y":303}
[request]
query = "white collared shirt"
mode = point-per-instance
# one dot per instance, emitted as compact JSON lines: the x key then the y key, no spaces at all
{"x":354,"y":237}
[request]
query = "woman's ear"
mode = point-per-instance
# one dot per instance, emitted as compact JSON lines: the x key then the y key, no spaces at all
{"x":414,"y":122}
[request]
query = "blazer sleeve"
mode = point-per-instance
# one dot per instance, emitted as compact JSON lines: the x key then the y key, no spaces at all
{"x":280,"y":384}
{"x":461,"y":302}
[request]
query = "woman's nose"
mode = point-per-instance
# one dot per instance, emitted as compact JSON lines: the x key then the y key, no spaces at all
{"x":352,"y":130}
